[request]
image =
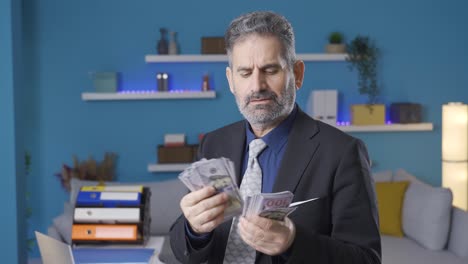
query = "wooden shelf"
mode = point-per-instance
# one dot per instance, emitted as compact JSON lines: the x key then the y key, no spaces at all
{"x":148,"y":95}
{"x":388,"y":128}
{"x":224,"y":58}
{"x":174,"y":167}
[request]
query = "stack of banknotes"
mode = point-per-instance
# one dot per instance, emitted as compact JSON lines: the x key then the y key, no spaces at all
{"x":220,"y":174}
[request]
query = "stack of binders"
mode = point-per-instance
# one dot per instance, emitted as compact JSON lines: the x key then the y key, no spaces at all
{"x":112,"y":215}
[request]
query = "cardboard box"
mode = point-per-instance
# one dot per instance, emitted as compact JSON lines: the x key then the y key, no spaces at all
{"x":213,"y":45}
{"x":177,"y":154}
{"x":363,"y":114}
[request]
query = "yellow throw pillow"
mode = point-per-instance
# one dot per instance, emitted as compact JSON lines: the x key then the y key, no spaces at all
{"x":390,"y":196}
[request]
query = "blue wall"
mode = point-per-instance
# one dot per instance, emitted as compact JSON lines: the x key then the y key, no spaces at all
{"x":12,"y":240}
{"x":424,"y":60}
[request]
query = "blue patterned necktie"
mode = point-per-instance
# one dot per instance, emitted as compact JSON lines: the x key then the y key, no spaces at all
{"x":238,"y":252}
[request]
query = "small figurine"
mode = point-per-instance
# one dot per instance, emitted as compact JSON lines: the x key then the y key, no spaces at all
{"x":206,"y":83}
{"x":163,"y":82}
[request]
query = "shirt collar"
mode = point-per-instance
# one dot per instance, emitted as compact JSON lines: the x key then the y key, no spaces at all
{"x":276,"y":138}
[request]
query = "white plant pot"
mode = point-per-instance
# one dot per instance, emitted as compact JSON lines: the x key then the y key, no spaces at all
{"x":335,"y":48}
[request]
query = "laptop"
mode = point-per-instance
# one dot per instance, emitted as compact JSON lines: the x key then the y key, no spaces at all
{"x":53,"y":251}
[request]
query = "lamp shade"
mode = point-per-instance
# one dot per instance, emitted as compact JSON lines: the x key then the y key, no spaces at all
{"x":455,"y":152}
{"x":455,"y":177}
{"x":454,"y":132}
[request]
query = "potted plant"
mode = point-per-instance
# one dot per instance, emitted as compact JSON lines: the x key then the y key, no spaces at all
{"x":335,"y":43}
{"x":89,"y":169}
{"x":363,"y":56}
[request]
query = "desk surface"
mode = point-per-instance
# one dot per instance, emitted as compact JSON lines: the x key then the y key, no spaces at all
{"x":155,"y":242}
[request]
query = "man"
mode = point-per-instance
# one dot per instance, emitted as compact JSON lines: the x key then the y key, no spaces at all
{"x":307,"y":157}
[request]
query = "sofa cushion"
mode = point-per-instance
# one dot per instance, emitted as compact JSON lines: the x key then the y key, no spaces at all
{"x":390,"y":197}
{"x":165,"y":198}
{"x":63,"y":223}
{"x":426,"y":212}
{"x":396,"y":250}
{"x":458,"y":239}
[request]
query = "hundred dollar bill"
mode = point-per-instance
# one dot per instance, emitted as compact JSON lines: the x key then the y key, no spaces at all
{"x":277,"y":213}
{"x":270,"y":205}
{"x":273,"y":200}
{"x":218,"y":173}
{"x":214,"y":173}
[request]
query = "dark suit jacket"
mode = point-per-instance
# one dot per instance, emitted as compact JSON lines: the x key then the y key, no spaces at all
{"x":319,"y":161}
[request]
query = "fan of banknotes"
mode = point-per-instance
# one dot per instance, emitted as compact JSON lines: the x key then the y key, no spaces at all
{"x":220,"y":174}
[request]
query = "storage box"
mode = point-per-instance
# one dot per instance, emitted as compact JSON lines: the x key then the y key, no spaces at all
{"x":323,"y":106}
{"x":105,"y":82}
{"x":213,"y":45}
{"x":405,"y":113}
{"x":363,"y":114}
{"x":177,"y":154}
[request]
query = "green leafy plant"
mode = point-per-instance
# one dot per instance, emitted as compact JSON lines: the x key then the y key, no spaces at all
{"x":88,"y":169}
{"x":335,"y":38}
{"x":363,"y":56}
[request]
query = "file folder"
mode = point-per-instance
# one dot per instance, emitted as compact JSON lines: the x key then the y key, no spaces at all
{"x":106,"y":215}
{"x":113,"y":188}
{"x":108,"y":199}
{"x":104,"y":232}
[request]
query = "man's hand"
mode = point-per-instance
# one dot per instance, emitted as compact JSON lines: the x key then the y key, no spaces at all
{"x":268,"y":236}
{"x":204,"y":209}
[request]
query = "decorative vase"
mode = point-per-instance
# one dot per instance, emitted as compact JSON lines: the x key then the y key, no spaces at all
{"x":173,"y":49}
{"x":162,"y":43}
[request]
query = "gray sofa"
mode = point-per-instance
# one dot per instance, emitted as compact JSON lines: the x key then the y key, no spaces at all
{"x":435,"y":232}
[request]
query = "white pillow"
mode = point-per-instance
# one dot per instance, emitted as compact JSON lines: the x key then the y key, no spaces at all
{"x":383,"y":176}
{"x":426,"y":212}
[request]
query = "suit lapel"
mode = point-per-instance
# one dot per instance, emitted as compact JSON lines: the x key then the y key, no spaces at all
{"x":235,"y":147}
{"x":299,"y":151}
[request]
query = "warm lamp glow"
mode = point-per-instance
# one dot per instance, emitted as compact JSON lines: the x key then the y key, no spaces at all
{"x":455,"y":152}
{"x":454,"y":132}
{"x":455,"y":177}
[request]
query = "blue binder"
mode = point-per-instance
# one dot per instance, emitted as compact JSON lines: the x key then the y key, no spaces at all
{"x":112,"y":255}
{"x":108,"y":199}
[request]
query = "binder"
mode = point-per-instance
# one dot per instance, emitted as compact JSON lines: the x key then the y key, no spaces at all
{"x":108,"y":199}
{"x":104,"y":232}
{"x":113,"y":255}
{"x":113,"y":188}
{"x":106,"y":215}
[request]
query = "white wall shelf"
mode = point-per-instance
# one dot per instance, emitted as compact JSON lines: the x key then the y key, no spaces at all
{"x":177,"y":167}
{"x":148,"y":95}
{"x":223,"y":58}
{"x":173,"y":167}
{"x":388,"y":128}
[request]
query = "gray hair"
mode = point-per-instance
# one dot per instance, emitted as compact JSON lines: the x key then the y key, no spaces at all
{"x":264,"y":23}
